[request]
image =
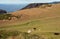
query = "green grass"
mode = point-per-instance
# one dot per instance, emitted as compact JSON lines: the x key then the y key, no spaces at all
{"x":6,"y":34}
{"x":44,"y":25}
{"x":47,"y":27}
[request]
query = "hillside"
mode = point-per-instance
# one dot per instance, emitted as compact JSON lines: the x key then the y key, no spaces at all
{"x":36,"y":5}
{"x":40,"y":12}
{"x":35,"y":23}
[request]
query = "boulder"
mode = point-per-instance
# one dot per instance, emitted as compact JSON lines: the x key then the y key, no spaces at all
{"x":2,"y":11}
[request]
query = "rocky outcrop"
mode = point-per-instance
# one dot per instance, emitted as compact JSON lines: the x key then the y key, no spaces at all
{"x":2,"y":11}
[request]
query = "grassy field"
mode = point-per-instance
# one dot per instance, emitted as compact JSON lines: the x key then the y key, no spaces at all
{"x":43,"y":24}
{"x":46,"y":27}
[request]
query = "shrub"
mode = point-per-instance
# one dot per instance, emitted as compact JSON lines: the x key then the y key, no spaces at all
{"x":7,"y":16}
{"x":35,"y":37}
{"x":30,"y":36}
{"x":4,"y":34}
{"x":4,"y":16}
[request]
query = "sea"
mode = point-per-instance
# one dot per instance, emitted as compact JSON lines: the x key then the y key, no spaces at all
{"x":12,"y":7}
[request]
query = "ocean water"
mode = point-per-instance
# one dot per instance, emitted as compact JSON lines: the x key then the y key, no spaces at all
{"x":12,"y":7}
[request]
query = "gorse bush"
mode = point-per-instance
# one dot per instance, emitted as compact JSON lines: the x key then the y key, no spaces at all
{"x":30,"y":36}
{"x":7,"y":16}
{"x":46,"y":5}
{"x":6,"y":34}
{"x":35,"y":37}
{"x":3,"y":35}
{"x":4,"y":16}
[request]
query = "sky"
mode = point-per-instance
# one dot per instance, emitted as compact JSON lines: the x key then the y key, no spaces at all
{"x":24,"y":1}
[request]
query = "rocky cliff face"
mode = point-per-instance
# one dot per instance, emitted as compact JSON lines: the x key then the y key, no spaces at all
{"x":2,"y":11}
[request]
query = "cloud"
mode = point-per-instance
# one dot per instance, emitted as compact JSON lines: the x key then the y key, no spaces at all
{"x":24,"y":1}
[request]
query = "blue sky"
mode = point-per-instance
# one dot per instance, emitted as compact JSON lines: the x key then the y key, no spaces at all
{"x":24,"y":1}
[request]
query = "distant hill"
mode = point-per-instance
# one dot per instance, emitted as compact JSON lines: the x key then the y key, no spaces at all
{"x":2,"y":11}
{"x":35,"y":5}
{"x":38,"y":12}
{"x":55,"y":2}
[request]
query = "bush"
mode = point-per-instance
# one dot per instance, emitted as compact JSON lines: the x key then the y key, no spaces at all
{"x":4,"y":16}
{"x":30,"y":36}
{"x":7,"y":16}
{"x":46,"y":5}
{"x":4,"y":34}
{"x":35,"y":37}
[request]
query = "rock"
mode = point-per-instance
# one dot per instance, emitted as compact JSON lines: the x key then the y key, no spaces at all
{"x":56,"y":33}
{"x":2,"y":11}
{"x":29,"y":31}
